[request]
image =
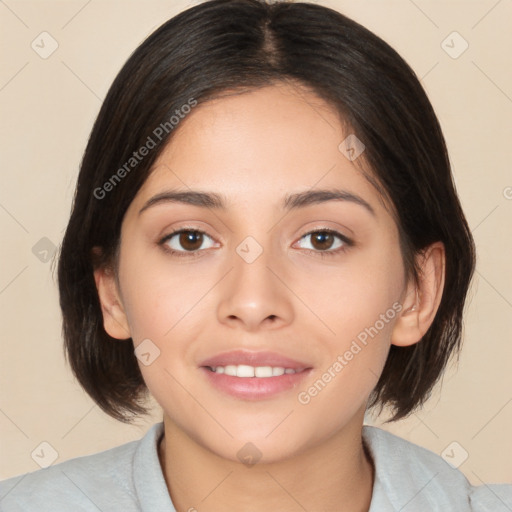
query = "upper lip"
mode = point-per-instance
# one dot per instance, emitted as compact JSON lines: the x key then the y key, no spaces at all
{"x":236,"y":357}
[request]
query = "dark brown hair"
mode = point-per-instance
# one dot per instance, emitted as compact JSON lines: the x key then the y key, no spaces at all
{"x":223,"y":45}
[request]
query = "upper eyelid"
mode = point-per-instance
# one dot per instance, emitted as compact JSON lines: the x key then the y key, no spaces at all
{"x":184,"y":229}
{"x":328,"y":230}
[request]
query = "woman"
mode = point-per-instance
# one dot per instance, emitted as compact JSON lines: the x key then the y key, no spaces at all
{"x":267,"y":238}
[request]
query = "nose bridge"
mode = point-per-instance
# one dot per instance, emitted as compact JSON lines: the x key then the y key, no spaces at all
{"x":253,"y":293}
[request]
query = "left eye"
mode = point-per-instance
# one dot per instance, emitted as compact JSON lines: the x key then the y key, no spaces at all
{"x":325,"y":241}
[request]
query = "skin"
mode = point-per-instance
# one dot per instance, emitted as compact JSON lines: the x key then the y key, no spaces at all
{"x":255,"y":148}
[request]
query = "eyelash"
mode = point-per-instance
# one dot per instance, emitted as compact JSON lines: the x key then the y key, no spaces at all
{"x":192,"y":254}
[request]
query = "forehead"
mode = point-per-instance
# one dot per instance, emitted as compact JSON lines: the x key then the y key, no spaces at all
{"x":259,"y":146}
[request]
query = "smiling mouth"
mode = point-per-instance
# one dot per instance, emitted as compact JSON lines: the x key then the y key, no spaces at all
{"x":254,"y":383}
{"x":247,"y":371}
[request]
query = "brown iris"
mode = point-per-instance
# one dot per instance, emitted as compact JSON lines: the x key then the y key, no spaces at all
{"x":322,"y":240}
{"x":191,"y":240}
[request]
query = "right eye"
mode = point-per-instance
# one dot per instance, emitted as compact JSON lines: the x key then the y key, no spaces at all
{"x":188,"y":243}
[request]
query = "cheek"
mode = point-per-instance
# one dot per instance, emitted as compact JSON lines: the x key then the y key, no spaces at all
{"x":157,"y":295}
{"x":354,"y":296}
{"x":159,"y":303}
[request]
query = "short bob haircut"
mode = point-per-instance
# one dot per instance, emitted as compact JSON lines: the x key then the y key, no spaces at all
{"x":225,"y":46}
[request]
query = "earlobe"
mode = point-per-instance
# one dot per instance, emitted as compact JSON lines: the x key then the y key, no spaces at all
{"x":421,"y":300}
{"x":115,"y":322}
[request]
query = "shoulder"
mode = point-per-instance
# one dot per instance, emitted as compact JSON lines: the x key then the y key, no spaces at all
{"x":102,"y":481}
{"x":81,"y":482}
{"x":411,"y":478}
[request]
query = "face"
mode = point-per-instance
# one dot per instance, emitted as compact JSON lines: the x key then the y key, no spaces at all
{"x":266,"y":280}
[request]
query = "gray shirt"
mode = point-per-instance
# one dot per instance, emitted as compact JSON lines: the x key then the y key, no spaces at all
{"x":129,"y":478}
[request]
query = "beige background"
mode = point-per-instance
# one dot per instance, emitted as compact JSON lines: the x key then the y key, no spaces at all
{"x":47,"y":110}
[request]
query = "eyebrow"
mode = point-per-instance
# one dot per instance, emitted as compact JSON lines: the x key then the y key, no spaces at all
{"x":290,"y":202}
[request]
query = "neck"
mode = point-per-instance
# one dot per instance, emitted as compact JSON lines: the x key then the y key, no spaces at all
{"x":336,"y":475}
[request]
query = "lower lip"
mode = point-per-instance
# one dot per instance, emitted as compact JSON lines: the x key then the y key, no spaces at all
{"x":254,"y":388}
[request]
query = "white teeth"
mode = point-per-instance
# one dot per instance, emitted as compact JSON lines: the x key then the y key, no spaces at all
{"x":263,"y":371}
{"x":278,"y":370}
{"x":244,"y":370}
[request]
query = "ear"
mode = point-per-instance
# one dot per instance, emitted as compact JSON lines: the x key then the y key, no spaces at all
{"x":115,"y":322}
{"x":421,"y":301}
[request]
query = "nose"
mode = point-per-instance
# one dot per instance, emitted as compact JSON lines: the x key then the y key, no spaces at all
{"x":255,"y":295}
